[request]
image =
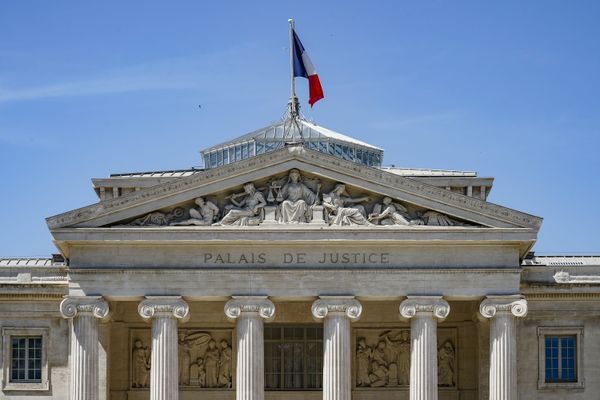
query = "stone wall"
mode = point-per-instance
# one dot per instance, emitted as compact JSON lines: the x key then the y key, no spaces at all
{"x":37,"y":317}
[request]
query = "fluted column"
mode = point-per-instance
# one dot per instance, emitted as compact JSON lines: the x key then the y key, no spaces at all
{"x":502,"y":311}
{"x":250,"y":311}
{"x":84,"y":312}
{"x":337,"y":312}
{"x":424,"y":312}
{"x":164,"y":311}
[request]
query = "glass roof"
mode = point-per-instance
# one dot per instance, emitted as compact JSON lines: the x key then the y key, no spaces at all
{"x":275,"y":136}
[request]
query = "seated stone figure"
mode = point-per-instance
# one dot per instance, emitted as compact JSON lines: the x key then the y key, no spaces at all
{"x":390,"y":213}
{"x":204,"y":215}
{"x":247,"y":211}
{"x":297,"y":200}
{"x":338,"y":213}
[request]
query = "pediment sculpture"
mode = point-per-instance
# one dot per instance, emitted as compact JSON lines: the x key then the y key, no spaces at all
{"x":246,"y":211}
{"x":341,"y":209}
{"x":296,"y":196}
{"x":296,"y":199}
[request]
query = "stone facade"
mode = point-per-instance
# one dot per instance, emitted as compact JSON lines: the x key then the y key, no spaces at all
{"x":296,"y":274}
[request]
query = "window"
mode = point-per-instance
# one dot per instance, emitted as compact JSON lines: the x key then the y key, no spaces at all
{"x":25,"y":367}
{"x":293,"y":357}
{"x":560,"y":357}
{"x":26,"y":359}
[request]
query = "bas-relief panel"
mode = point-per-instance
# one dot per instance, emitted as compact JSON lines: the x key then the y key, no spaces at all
{"x":382,"y":358}
{"x":296,"y":198}
{"x":205,"y":358}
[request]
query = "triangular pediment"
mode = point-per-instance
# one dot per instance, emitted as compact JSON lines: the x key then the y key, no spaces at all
{"x":415,"y":203}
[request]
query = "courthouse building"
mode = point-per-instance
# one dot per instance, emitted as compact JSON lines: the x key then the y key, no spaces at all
{"x":294,"y":265}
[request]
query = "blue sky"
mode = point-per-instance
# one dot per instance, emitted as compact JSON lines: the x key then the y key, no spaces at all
{"x":508,"y":89}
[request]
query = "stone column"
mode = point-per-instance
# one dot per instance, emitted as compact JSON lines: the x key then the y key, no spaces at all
{"x":84,"y":312}
{"x":337,"y":312}
{"x":250,"y":311}
{"x":164,"y":311}
{"x":502,"y":310}
{"x":424,"y":313}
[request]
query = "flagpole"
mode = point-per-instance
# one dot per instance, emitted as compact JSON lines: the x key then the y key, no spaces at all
{"x":293,"y":99}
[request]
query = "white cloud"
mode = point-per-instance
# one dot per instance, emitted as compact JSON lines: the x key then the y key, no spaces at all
{"x":167,"y":74}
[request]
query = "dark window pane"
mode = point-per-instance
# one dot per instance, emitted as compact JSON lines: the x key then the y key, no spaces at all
{"x":560,"y":358}
{"x":292,"y":357}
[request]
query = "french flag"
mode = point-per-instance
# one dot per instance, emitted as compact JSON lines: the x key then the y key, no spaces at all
{"x":304,"y":68}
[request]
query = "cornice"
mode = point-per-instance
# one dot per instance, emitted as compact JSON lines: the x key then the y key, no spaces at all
{"x":564,"y":277}
{"x":297,"y":234}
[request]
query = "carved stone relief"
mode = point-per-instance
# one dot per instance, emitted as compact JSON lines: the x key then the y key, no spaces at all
{"x":295,"y":198}
{"x":447,"y":364}
{"x":158,"y":218}
{"x":295,"y":195}
{"x":382,"y":358}
{"x":247,"y":210}
{"x":205,"y":214}
{"x":205,"y":358}
{"x":140,"y":364}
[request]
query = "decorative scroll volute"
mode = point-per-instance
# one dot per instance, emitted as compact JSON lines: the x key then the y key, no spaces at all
{"x":435,"y":305}
{"x":95,"y":306}
{"x":338,"y":305}
{"x":169,"y":306}
{"x":493,"y":305}
{"x":250,"y":304}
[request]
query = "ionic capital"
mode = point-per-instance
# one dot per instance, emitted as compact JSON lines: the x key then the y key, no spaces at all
{"x":347,"y":305}
{"x":95,"y":306}
{"x":164,"y":306}
{"x":260,"y":305}
{"x":434,"y":305}
{"x":492,"y":305}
